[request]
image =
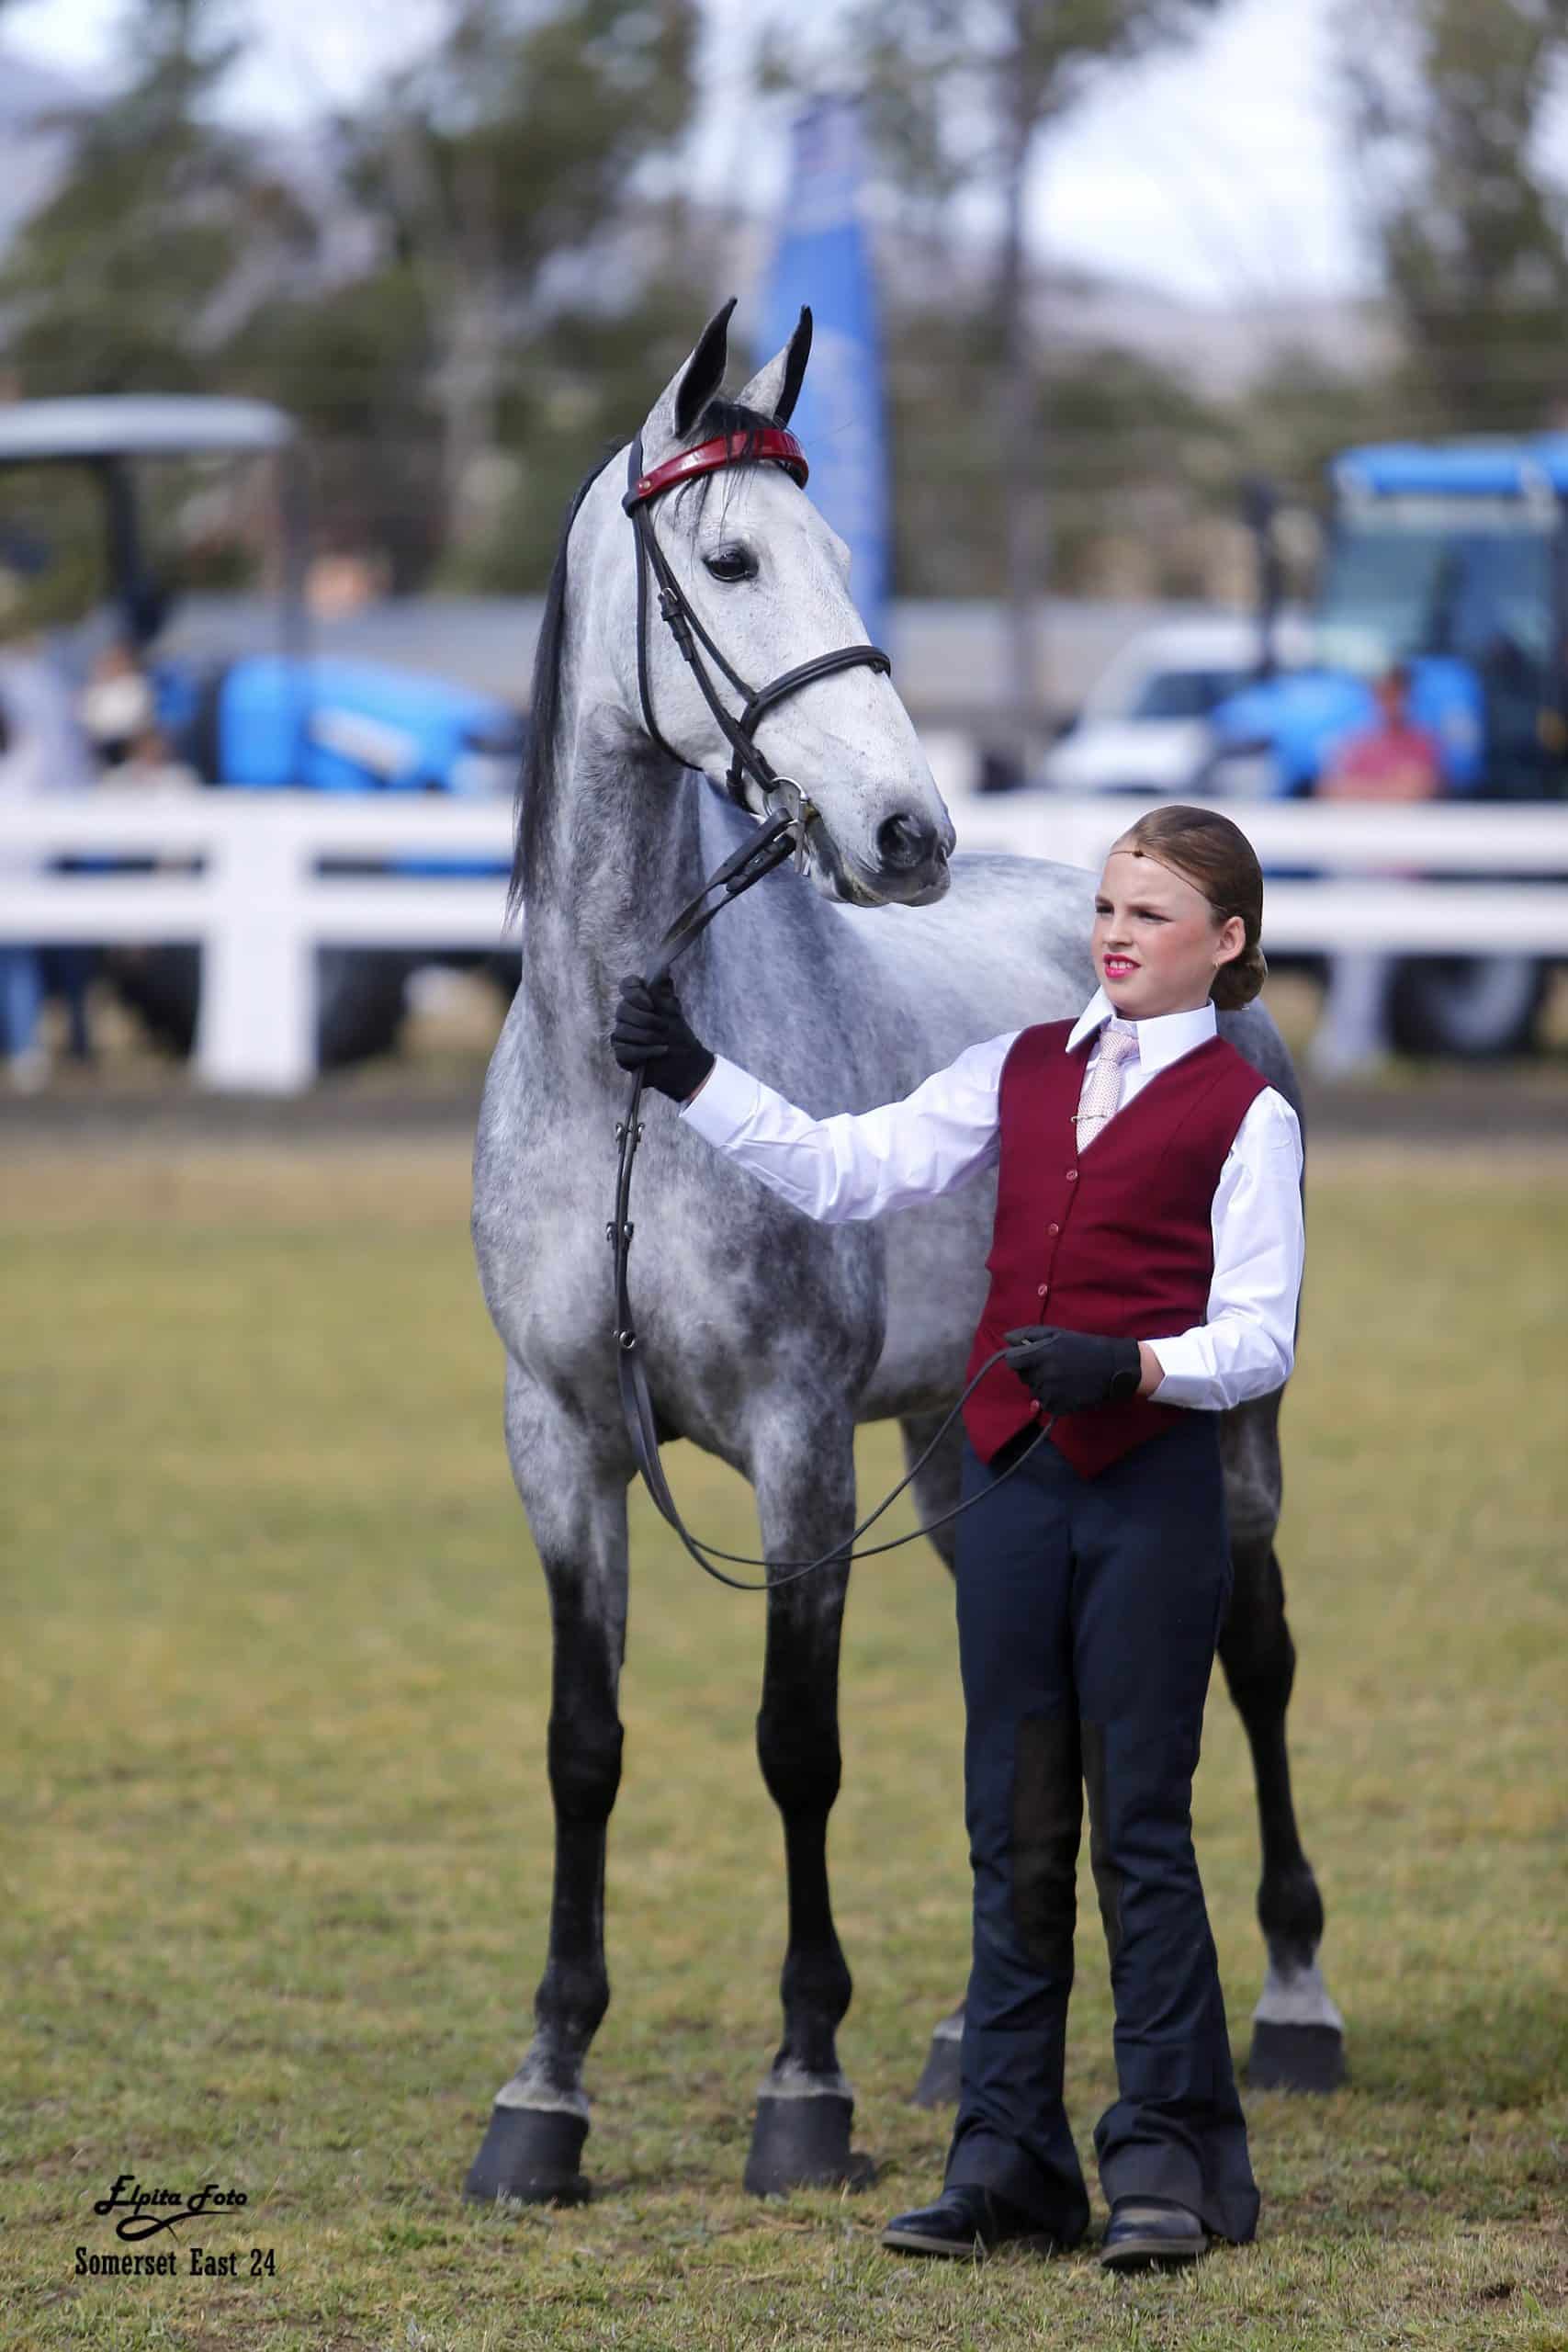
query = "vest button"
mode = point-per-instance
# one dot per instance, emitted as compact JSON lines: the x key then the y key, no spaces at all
{"x":1043,"y":1289}
{"x":1052,"y":1228}
{"x":1072,"y":1175}
{"x":1035,"y":1407}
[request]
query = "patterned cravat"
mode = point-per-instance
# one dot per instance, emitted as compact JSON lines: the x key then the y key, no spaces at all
{"x":1102,"y":1084}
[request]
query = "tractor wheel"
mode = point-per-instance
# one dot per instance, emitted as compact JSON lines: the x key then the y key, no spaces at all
{"x":359,"y":999}
{"x":1473,"y":1007}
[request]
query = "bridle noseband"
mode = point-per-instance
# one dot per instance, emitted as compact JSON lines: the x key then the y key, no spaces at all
{"x":781,"y":837}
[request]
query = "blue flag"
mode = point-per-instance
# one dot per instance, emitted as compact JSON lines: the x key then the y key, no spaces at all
{"x":823,"y":260}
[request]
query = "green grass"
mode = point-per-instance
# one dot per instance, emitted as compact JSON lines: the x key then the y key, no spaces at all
{"x":276,"y":1834}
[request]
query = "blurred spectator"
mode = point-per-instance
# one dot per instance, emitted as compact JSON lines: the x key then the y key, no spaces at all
{"x":1393,"y":759}
{"x":41,"y":751}
{"x":340,"y":585}
{"x":116,"y":708}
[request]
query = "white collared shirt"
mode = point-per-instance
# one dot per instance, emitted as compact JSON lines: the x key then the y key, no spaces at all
{"x":858,"y":1164}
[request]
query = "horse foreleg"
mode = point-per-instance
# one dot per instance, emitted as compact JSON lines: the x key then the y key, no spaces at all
{"x":577,"y":1509}
{"x":1298,"y":2034}
{"x":805,"y":1504}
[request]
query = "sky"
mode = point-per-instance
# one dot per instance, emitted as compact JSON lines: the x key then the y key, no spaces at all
{"x":1213,"y":172}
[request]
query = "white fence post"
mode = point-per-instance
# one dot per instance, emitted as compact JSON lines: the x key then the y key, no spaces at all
{"x":256,"y":1029}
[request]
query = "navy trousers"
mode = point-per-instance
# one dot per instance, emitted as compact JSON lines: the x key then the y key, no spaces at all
{"x":1089,"y":1612}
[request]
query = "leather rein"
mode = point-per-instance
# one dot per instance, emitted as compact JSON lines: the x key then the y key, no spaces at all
{"x":781,"y":837}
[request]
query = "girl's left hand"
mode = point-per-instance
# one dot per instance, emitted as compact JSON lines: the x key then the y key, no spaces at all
{"x":1069,"y":1371}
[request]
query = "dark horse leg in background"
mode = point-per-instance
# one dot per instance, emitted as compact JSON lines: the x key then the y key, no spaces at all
{"x":1298,"y":2034}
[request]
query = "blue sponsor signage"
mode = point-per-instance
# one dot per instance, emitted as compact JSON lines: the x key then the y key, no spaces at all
{"x":823,"y":260}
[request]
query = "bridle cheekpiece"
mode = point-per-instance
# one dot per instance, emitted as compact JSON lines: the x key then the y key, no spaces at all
{"x":770,"y":445}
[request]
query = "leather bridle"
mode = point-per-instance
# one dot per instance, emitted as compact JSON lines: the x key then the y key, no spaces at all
{"x":784,"y":836}
{"x":769,"y":445}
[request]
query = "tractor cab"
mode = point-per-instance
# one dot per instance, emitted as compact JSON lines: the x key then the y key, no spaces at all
{"x":1451,"y":561}
{"x":242,"y":695}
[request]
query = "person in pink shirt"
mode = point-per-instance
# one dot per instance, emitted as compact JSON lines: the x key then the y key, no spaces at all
{"x":1391,"y":759}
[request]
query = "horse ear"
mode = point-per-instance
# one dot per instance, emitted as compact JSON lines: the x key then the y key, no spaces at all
{"x":688,"y":390}
{"x":774,"y":390}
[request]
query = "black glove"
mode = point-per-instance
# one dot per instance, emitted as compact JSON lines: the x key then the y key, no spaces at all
{"x":1070,"y":1370}
{"x":650,"y":1034}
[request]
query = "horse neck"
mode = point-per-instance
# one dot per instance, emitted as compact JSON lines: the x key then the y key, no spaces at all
{"x":621,"y":854}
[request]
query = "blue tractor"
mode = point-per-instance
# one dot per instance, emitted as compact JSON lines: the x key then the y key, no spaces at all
{"x":279,"y":714}
{"x":1453,"y":561}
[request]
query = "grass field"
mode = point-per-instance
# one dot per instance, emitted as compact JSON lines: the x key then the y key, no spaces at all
{"x":276,"y":1834}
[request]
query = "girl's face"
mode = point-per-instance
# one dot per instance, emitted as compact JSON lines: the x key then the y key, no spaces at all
{"x":1157,"y":941}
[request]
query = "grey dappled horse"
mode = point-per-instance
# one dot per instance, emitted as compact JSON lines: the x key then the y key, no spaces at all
{"x":768,"y":1338}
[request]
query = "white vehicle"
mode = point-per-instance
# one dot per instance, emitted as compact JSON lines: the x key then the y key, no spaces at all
{"x":1145,"y":723}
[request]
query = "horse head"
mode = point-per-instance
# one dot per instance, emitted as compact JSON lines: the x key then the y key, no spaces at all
{"x":766,"y":581}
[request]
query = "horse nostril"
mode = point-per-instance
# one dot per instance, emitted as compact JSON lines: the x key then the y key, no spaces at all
{"x":905,"y":842}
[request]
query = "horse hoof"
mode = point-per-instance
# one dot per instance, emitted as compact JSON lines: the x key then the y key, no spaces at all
{"x":804,"y":2144}
{"x":1296,"y":2057}
{"x":530,"y":2154}
{"x":937,"y":2086}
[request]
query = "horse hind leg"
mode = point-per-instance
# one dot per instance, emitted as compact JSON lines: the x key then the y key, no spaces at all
{"x":577,"y":1509}
{"x":935,"y":1490}
{"x":1298,"y":2034}
{"x":804,"y":1479}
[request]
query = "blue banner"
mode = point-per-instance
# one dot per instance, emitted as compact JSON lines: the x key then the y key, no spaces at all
{"x":823,"y":259}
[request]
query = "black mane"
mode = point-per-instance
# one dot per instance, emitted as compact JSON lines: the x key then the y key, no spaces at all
{"x":537,"y":778}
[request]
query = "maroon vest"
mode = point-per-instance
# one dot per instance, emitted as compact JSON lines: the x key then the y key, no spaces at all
{"x":1120,"y":1243}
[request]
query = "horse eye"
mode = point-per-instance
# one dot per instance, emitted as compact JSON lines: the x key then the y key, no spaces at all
{"x":732,"y":563}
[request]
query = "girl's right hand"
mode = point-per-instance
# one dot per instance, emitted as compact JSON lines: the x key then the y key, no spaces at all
{"x":650,"y":1034}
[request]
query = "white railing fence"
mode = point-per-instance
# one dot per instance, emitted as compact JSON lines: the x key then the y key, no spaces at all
{"x":258,"y":907}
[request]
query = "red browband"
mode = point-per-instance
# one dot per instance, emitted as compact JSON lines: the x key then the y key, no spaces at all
{"x":772,"y":442}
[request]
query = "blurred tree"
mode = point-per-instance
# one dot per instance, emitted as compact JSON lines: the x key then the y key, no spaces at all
{"x":1297,"y":416}
{"x":961,"y":94}
{"x":164,"y":231}
{"x":1130,"y":457}
{"x":497,"y":163}
{"x":354,"y":362}
{"x":1286,"y":428}
{"x":1446,"y":103}
{"x":586,"y":378}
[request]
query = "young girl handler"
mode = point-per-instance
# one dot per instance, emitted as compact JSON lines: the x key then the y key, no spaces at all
{"x":1149,"y":1201}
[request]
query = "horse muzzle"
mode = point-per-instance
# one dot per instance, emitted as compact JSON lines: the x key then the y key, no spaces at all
{"x":910,"y":869}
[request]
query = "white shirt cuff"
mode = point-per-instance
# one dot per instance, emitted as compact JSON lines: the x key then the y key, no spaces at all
{"x":1221,"y":1364}
{"x":721,"y":1107}
{"x":1189,"y":1377}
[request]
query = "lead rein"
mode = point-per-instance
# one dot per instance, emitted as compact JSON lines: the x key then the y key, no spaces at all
{"x":782,"y":837}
